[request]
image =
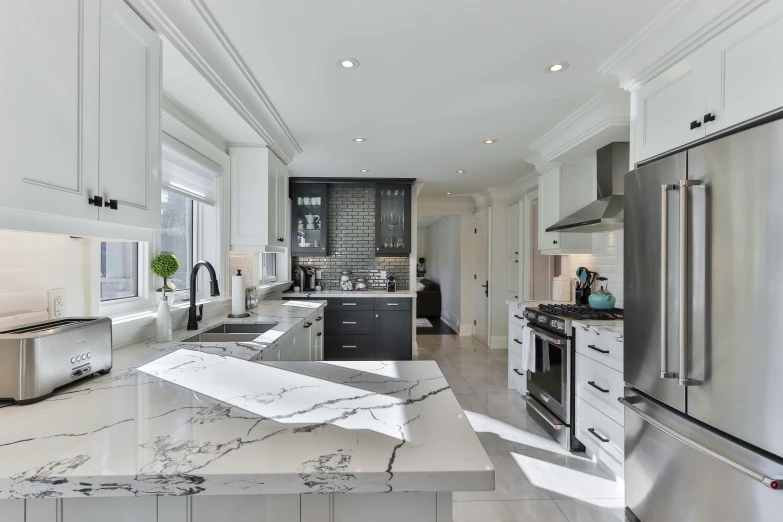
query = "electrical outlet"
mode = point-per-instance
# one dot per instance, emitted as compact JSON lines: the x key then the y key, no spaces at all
{"x":56,"y":302}
{"x":383,"y":274}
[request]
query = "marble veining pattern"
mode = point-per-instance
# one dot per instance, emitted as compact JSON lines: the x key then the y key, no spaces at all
{"x":242,"y":428}
{"x":614,"y":328}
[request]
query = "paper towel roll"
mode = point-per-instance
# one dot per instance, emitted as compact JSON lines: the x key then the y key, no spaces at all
{"x":238,"y":294}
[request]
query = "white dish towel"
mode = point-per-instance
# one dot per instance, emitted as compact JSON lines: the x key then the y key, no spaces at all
{"x":528,"y":350}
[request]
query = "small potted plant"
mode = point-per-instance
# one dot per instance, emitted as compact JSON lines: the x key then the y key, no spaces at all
{"x":165,"y":266}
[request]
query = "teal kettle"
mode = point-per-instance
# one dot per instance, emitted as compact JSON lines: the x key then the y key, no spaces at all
{"x":603,"y":298}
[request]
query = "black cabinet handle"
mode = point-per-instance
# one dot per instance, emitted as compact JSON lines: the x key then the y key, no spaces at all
{"x":318,"y":318}
{"x":517,"y":341}
{"x":594,"y":385}
{"x":518,"y":373}
{"x":515,"y":315}
{"x":554,"y":242}
{"x":709,"y":117}
{"x":319,"y":334}
{"x":597,"y":435}
{"x":308,"y":325}
{"x":592,"y":347}
{"x":516,"y":260}
{"x":96,"y":201}
{"x":112,"y":204}
{"x":516,"y":253}
{"x":695,"y":124}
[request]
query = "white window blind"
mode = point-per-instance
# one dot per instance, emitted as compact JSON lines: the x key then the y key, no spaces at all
{"x":188,"y":172}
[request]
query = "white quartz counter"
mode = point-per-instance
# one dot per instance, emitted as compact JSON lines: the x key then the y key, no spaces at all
{"x":614,"y":328}
{"x":350,"y":293}
{"x":204,"y":420}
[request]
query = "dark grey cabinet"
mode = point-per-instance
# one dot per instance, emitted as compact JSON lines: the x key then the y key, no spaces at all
{"x":309,"y":219}
{"x":393,"y":336}
{"x":392,"y":219}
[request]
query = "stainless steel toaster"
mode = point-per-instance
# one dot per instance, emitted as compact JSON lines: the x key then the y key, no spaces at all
{"x":37,"y":358}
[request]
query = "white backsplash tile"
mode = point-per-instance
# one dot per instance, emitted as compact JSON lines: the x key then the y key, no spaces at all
{"x":606,"y":259}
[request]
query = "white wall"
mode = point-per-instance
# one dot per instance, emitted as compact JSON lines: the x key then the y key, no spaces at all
{"x":421,"y":243}
{"x":606,"y":259}
{"x":31,"y":264}
{"x":443,"y":264}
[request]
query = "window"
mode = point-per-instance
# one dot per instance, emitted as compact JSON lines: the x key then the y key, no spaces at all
{"x":119,"y":271}
{"x":268,"y":268}
{"x":176,"y":235}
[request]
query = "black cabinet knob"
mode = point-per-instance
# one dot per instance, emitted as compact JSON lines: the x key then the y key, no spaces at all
{"x":112,"y":204}
{"x":96,"y":201}
{"x":695,"y":124}
{"x":554,"y":242}
{"x":709,"y":117}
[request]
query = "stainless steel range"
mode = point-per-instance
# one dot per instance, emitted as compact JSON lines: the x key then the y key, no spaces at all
{"x":550,"y":388}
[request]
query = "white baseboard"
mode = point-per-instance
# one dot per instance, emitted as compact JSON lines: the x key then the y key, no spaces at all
{"x":451,"y":320}
{"x":498,"y":343}
{"x":465,"y":330}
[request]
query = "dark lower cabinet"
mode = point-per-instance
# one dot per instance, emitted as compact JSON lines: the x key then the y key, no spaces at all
{"x":349,"y":347}
{"x":393,"y":336}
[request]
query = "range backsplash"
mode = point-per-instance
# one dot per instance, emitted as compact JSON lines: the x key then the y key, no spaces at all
{"x":352,"y":242}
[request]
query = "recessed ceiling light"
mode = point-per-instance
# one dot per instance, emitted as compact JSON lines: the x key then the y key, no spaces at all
{"x":365,"y":170}
{"x":448,"y":193}
{"x":348,"y":63}
{"x":359,"y":140}
{"x":557,"y":67}
{"x":460,"y":172}
{"x":489,"y":142}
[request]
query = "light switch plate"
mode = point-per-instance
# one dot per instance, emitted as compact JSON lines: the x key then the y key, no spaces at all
{"x":56,"y":306}
{"x":383,"y":274}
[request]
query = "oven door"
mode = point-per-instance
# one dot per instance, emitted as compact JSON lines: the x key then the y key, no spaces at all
{"x":550,"y":382}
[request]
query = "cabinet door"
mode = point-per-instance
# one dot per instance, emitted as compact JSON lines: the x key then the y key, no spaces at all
{"x":116,"y":509}
{"x":272,"y":202}
{"x":744,"y":75}
{"x":130,"y":139}
{"x":250,"y":197}
{"x":246,"y":508}
{"x":393,"y":336}
{"x":12,"y":510}
{"x":281,"y":202}
{"x":513,"y":275}
{"x":513,"y":230}
{"x":667,"y":106}
{"x":309,"y":218}
{"x":48,"y":106}
{"x":548,"y":208}
{"x":392,"y":219}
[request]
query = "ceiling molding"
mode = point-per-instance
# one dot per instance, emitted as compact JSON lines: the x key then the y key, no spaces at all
{"x":210,"y":20}
{"x":523,"y":184}
{"x":677,"y":31}
{"x":606,"y":115}
{"x":162,"y":23}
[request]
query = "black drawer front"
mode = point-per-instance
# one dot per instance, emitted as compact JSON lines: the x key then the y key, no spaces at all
{"x":349,"y":347}
{"x":349,"y":303}
{"x":393,"y":303}
{"x":340,"y":322}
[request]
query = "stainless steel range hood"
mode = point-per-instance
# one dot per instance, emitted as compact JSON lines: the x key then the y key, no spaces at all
{"x":606,"y":213}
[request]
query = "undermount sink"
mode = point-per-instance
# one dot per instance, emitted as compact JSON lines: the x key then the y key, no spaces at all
{"x":231,"y":333}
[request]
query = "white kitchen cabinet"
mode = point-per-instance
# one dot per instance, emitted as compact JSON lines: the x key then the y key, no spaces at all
{"x":563,"y":190}
{"x":512,"y":240}
{"x":130,"y":118}
{"x":731,"y":79}
{"x":258,"y":200}
{"x":671,"y":107}
{"x":12,"y":510}
{"x":513,"y":276}
{"x":246,"y":508}
{"x":317,"y":353}
{"x":83,"y":104}
{"x":116,"y":509}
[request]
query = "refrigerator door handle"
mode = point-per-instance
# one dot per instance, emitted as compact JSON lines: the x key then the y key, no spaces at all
{"x":665,"y":373}
{"x":771,"y":483}
{"x":684,"y":282}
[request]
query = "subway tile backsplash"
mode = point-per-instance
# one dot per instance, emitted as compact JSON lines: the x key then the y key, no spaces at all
{"x":352,"y":242}
{"x":606,"y":259}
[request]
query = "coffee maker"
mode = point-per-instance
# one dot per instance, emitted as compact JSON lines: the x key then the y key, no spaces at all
{"x":391,"y":283}
{"x":304,"y":278}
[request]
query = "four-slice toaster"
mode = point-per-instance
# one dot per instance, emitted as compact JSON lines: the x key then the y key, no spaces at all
{"x":37,"y":358}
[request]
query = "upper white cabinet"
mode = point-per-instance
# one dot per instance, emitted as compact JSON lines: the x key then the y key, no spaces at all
{"x":731,"y":79}
{"x":512,"y":241}
{"x":80,"y":102}
{"x":259,"y":195}
{"x":562,"y":190}
{"x":130,"y":118}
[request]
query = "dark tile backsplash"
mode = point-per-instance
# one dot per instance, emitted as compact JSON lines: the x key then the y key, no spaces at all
{"x":352,"y":242}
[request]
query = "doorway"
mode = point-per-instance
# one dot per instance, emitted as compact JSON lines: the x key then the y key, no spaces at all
{"x":481,"y":329}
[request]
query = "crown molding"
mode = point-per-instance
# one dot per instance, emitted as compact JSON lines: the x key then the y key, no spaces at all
{"x":253,"y":111}
{"x":677,"y":31}
{"x":523,"y":184}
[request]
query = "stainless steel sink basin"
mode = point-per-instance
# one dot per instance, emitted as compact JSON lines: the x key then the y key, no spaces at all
{"x":231,"y":333}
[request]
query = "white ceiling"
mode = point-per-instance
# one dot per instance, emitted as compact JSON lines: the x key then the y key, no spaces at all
{"x":436,"y":78}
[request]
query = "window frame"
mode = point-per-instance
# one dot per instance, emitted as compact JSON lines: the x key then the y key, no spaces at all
{"x":148,"y":298}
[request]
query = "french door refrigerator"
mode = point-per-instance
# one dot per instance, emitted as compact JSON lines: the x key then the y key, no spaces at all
{"x":703,"y":321}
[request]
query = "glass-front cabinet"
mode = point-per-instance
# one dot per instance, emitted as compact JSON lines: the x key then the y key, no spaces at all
{"x":392,"y":219}
{"x":309,"y":226}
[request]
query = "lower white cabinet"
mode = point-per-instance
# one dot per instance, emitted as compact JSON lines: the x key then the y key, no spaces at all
{"x":116,"y":509}
{"x":517,"y":378}
{"x":245,"y":508}
{"x":12,"y":510}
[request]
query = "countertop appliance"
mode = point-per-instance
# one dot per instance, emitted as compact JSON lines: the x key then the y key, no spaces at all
{"x":37,"y":358}
{"x":577,"y":311}
{"x":550,"y":389}
{"x":304,"y":278}
{"x":703,"y":315}
{"x":391,"y":283}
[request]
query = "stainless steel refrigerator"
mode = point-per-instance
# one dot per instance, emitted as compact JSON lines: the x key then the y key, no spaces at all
{"x":703,"y":332}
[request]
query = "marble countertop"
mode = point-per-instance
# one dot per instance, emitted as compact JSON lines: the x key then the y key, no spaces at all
{"x":612,"y":327}
{"x":351,"y":293}
{"x":203,"y":419}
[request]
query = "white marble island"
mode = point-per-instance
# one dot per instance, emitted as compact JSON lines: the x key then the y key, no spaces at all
{"x":200,"y":430}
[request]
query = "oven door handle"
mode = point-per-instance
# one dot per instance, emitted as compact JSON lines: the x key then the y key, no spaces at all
{"x":547,"y":338}
{"x":550,"y":419}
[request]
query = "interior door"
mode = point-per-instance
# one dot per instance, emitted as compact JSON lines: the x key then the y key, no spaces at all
{"x":644,"y":278}
{"x":481,"y":329}
{"x":736,"y":310}
{"x":130,"y":135}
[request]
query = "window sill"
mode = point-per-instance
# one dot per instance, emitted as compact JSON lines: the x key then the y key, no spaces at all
{"x":265,"y":290}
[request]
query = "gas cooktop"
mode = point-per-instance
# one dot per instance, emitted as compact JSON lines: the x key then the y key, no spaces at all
{"x":576,"y":311}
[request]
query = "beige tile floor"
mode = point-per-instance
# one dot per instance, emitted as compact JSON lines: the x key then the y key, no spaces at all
{"x":535,"y":479}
